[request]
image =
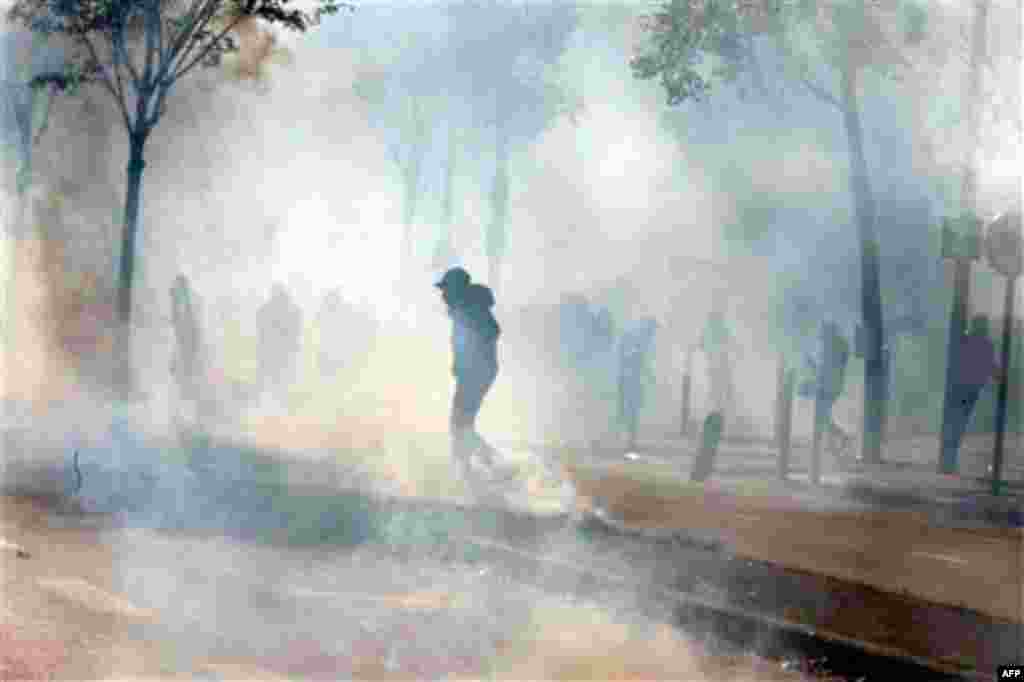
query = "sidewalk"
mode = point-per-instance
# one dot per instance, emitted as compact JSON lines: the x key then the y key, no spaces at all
{"x":943,"y":554}
{"x":906,"y":480}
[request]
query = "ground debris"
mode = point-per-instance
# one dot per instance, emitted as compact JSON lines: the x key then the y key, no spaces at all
{"x":93,"y":598}
{"x":16,"y":549}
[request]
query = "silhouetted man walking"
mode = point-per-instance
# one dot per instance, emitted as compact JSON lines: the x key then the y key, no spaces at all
{"x":346,"y":334}
{"x":830,"y":369}
{"x":718,"y":345}
{"x":977,"y":367}
{"x":280,"y":334}
{"x":633,"y":371}
{"x":188,"y":364}
{"x":475,"y":335}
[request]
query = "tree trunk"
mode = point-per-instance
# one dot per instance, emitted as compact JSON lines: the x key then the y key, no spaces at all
{"x":496,"y":235}
{"x":685,"y":407}
{"x":126,"y":380}
{"x":410,"y":202}
{"x":756,"y":72}
{"x":408,"y":215}
{"x":444,"y":254}
{"x":784,"y":416}
{"x":948,"y":451}
{"x":875,"y":375}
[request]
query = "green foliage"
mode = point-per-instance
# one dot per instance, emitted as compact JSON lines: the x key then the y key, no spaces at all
{"x":915,"y":22}
{"x":675,"y":53}
{"x":685,"y":35}
{"x":138,"y":49}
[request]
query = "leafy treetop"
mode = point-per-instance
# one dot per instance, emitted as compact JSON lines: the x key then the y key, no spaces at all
{"x":845,"y":33}
{"x":138,"y":49}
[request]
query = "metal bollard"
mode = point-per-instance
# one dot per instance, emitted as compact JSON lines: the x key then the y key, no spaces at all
{"x":711,"y":436}
{"x":784,"y":416}
{"x":685,"y":412}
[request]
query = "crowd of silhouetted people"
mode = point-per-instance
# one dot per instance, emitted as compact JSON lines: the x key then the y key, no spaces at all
{"x":345,"y":335}
{"x":591,"y":345}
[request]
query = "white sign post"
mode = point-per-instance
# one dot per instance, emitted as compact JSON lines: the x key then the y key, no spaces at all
{"x":1004,"y":243}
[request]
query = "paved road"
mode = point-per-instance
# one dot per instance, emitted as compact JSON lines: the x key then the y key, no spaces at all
{"x":141,"y":604}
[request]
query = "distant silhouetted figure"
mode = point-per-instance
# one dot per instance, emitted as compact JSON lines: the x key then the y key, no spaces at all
{"x":830,"y":369}
{"x":475,"y":335}
{"x":575,"y":323}
{"x":331,"y":327}
{"x":188,"y":364}
{"x":977,"y":367}
{"x":346,"y":333}
{"x":603,"y":331}
{"x":711,"y":436}
{"x":280,"y":335}
{"x":634,"y":349}
{"x":717,"y":344}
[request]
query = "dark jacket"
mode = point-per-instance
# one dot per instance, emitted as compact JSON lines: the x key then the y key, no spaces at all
{"x":634,"y":348}
{"x":977,"y":361}
{"x":280,"y":321}
{"x":188,"y":358}
{"x":475,"y":331}
{"x":833,"y":367}
{"x":827,"y":368}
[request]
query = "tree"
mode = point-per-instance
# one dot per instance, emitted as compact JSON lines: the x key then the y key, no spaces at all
{"x":25,"y":118}
{"x":402,"y":89}
{"x":137,"y":51}
{"x":507,"y":56}
{"x":692,"y":44}
{"x":29,"y":110}
{"x":445,"y":253}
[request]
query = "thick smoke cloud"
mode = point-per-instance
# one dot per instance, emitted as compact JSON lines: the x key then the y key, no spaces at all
{"x":273,"y":169}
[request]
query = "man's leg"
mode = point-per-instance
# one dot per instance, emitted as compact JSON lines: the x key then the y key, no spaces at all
{"x":465,"y":439}
{"x":965,"y":406}
{"x":822,"y":432}
{"x":475,"y":393}
{"x":951,"y":429}
{"x":459,"y":425}
{"x":462,"y":450}
{"x":839,"y":437}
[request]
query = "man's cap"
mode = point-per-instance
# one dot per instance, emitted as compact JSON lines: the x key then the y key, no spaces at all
{"x":454,"y":277}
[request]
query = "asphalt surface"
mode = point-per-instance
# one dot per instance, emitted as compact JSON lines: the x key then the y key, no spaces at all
{"x":130,"y":603}
{"x":235,"y":573}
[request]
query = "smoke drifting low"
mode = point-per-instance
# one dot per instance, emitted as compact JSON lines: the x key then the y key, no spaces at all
{"x":273,"y":169}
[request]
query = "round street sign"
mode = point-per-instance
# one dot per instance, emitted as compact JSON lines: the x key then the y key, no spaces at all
{"x":1004,"y":245}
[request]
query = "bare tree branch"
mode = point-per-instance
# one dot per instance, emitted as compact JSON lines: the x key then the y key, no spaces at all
{"x":186,"y":26}
{"x":158,"y":104}
{"x":159,"y":37}
{"x":820,"y":92}
{"x":117,"y":40}
{"x":210,"y":45}
{"x":152,"y":15}
{"x":115,"y":91}
{"x":209,"y":11}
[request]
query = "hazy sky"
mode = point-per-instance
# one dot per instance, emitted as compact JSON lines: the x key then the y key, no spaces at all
{"x":291,"y":178}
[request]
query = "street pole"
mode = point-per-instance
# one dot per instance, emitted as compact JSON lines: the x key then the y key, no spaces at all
{"x":784,"y":416}
{"x":1004,"y":386}
{"x":711,"y":436}
{"x":819,"y":412}
{"x":684,"y":427}
{"x":1005,"y":245}
{"x":948,"y":455}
